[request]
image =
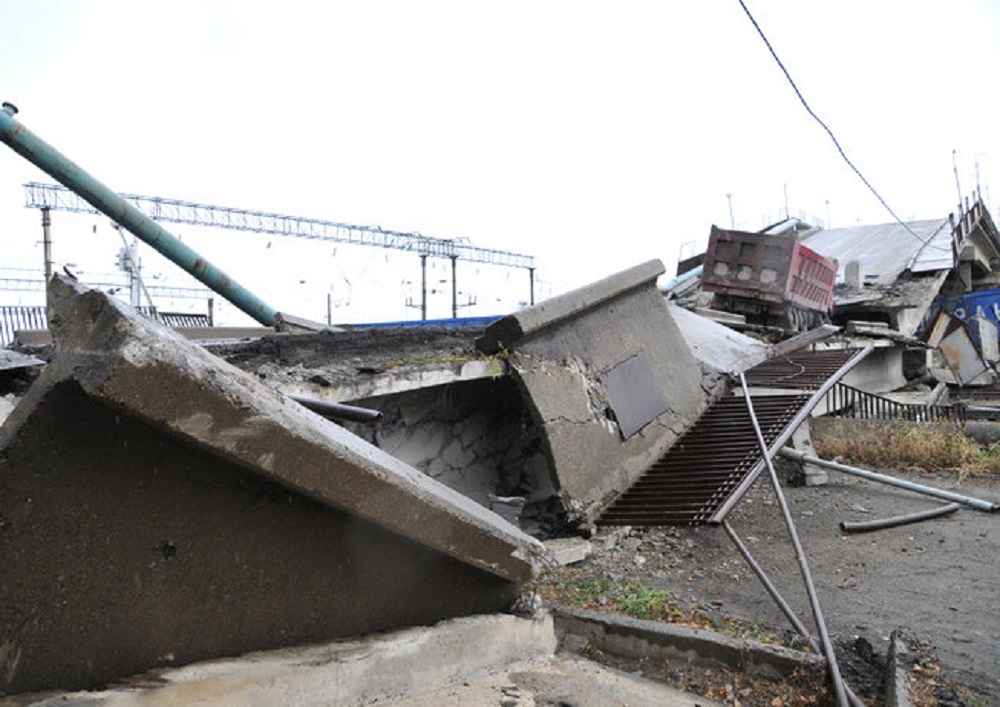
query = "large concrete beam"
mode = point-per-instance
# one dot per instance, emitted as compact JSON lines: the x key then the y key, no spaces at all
{"x":158,"y":506}
{"x":609,"y":377}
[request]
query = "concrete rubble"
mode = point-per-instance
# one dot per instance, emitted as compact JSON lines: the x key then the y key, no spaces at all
{"x":165,"y":502}
{"x":597,"y":442}
{"x":162,"y":507}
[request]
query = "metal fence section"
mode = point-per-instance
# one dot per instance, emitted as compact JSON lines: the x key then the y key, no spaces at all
{"x":18,"y":318}
{"x":27,"y":318}
{"x":847,"y":401}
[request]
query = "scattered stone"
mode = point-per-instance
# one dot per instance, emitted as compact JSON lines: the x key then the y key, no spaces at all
{"x":566,"y":551}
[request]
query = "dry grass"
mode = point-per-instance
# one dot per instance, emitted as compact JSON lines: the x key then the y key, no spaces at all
{"x":927,"y":447}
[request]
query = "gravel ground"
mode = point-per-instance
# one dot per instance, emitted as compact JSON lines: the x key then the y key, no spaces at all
{"x":933,"y":581}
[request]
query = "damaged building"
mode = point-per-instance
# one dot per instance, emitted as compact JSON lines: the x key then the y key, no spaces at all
{"x":894,"y":282}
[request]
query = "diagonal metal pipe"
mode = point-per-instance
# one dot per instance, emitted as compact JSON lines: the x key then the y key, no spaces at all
{"x":786,"y":435}
{"x":52,"y":162}
{"x":831,"y":658}
{"x":782,"y":604}
{"x":976,"y":503}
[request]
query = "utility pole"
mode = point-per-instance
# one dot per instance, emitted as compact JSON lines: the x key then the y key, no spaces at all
{"x":954,"y":168}
{"x":47,"y":242}
{"x":732,"y":221}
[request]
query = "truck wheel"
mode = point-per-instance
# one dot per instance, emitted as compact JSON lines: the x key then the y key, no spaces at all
{"x":793,"y":321}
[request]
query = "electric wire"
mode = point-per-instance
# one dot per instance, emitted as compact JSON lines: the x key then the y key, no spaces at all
{"x":830,"y":132}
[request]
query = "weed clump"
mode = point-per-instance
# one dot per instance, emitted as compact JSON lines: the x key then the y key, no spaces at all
{"x":929,"y":448}
{"x":568,"y":587}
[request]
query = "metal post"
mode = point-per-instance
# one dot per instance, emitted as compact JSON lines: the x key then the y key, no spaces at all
{"x":454,"y":287}
{"x":531,"y":284}
{"x":47,"y":241}
{"x":423,"y":287}
{"x":782,"y":604}
{"x":831,"y":657}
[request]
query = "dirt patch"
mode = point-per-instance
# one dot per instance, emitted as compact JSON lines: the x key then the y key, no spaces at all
{"x":933,"y":581}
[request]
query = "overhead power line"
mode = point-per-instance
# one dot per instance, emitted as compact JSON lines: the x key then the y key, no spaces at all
{"x":825,"y":127}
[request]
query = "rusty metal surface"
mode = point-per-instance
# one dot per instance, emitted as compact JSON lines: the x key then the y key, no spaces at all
{"x":801,"y":370}
{"x":768,"y":268}
{"x":689,"y":484}
{"x":709,"y":468}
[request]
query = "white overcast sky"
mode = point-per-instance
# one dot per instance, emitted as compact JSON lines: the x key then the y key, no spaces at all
{"x":591,"y":135}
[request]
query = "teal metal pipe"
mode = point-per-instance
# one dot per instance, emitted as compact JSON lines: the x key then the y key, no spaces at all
{"x":681,"y":279}
{"x":48,"y":159}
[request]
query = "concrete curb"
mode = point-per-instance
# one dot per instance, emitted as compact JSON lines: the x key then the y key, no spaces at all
{"x":634,"y":638}
{"x":363,"y":671}
{"x":530,"y":320}
{"x":896,"y":692}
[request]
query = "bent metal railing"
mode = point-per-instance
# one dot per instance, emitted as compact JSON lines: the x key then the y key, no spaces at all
{"x":847,"y":401}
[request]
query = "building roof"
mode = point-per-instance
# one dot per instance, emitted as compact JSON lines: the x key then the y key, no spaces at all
{"x":887,"y":250}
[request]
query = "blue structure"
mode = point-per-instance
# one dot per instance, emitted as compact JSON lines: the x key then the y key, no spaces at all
{"x":983,"y":303}
{"x":479,"y":322}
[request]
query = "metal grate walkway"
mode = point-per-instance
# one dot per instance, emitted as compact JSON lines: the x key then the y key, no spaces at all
{"x":709,"y":468}
{"x":799,"y":370}
{"x":689,"y":484}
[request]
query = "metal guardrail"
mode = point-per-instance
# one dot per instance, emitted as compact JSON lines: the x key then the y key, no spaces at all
{"x":847,"y":401}
{"x":35,"y":318}
{"x":18,"y":318}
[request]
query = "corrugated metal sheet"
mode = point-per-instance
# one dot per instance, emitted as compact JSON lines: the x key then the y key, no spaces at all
{"x":887,"y":250}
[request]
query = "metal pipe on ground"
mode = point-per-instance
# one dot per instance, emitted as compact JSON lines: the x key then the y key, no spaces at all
{"x":52,"y":162}
{"x":831,"y":657}
{"x":865,"y":526}
{"x":976,"y":503}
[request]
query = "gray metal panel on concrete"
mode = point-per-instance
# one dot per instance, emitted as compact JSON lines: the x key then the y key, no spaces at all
{"x":885,"y":251}
{"x":635,"y":394}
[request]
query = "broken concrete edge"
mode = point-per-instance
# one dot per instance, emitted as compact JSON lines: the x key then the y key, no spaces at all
{"x":403,"y":380}
{"x":284,"y":322}
{"x":626,"y":637}
{"x":529,"y":321}
{"x":12,"y":360}
{"x":897,"y":692}
{"x":40,"y":338}
{"x":147,"y":371}
{"x":365,"y":670}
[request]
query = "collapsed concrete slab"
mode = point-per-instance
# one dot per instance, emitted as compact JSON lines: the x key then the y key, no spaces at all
{"x":159,"y":506}
{"x":609,"y":378}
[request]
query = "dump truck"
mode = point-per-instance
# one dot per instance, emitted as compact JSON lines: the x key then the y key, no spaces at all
{"x":769,"y":277}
